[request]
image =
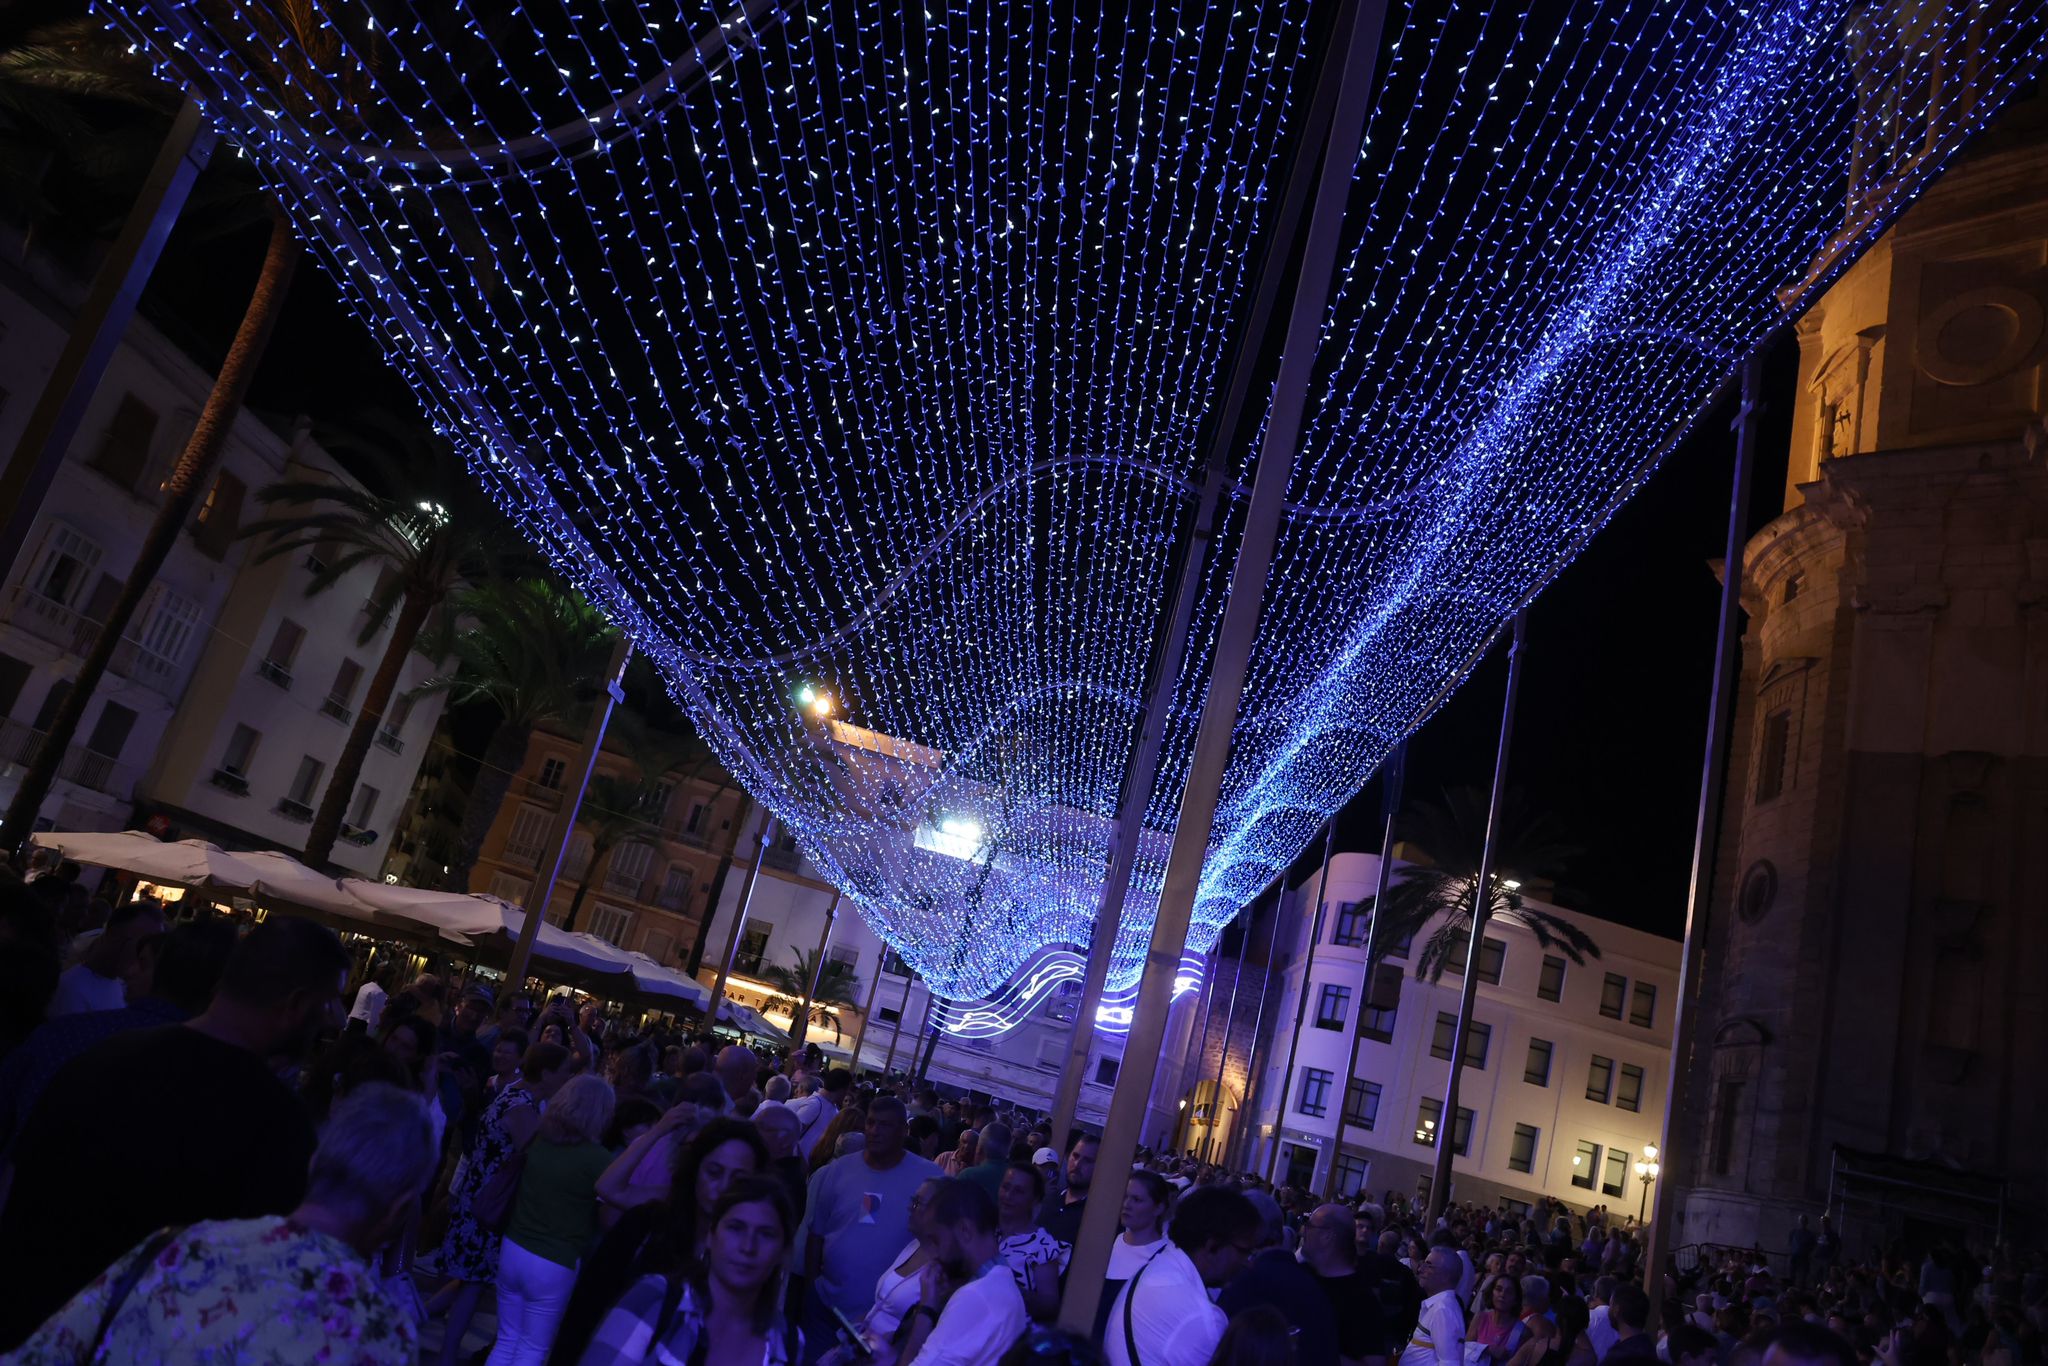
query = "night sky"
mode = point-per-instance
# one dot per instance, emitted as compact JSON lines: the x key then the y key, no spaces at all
{"x":1612,"y":721}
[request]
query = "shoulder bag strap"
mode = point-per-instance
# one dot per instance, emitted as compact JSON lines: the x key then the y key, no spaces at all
{"x":123,"y":1288}
{"x":1130,"y":1303}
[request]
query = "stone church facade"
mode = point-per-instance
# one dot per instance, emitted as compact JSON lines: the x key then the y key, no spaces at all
{"x":1873,"y":1034}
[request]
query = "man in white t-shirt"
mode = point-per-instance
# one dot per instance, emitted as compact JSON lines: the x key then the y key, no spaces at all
{"x":817,"y":1110}
{"x":1439,"y":1336}
{"x":99,"y":981}
{"x":371,"y":998}
{"x":969,"y":1310}
{"x":1164,"y":1312}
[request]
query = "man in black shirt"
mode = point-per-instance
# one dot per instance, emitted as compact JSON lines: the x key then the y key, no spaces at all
{"x":1329,"y":1250}
{"x":1275,"y":1278}
{"x":169,"y":1126}
{"x":1392,"y":1284}
{"x":1061,"y":1213}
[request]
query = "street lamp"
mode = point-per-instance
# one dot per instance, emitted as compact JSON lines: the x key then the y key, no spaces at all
{"x":1647,"y":1169}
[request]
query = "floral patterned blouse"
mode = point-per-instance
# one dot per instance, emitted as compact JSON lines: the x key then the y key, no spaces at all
{"x":256,"y":1292}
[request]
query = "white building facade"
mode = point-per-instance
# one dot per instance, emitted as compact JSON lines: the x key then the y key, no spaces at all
{"x":1567,"y":1064}
{"x":213,"y":715}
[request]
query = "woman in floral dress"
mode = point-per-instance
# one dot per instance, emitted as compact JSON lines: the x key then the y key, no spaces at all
{"x":469,"y":1251}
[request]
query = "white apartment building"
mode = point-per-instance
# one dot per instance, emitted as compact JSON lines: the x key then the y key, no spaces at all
{"x":1566,"y":1072}
{"x":227,"y":702}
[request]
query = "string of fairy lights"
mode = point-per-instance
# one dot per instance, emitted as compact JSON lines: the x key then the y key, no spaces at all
{"x":860,"y":360}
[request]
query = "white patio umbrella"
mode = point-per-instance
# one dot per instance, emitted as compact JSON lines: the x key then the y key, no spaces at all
{"x":187,"y":863}
{"x":477,"y":918}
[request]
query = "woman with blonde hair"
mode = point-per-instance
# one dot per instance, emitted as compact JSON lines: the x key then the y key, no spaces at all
{"x":554,"y":1219}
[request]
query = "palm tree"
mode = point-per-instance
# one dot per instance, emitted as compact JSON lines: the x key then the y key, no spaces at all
{"x":1451,"y":833}
{"x":837,"y":987}
{"x":427,"y":528}
{"x":319,"y":68}
{"x":535,"y":652}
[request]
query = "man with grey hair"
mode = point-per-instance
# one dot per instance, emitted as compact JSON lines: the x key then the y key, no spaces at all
{"x":276,"y":1289}
{"x":991,"y":1158}
{"x":1439,"y":1336}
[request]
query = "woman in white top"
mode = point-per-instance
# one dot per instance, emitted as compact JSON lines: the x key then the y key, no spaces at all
{"x":1146,"y":1201}
{"x":897,"y":1291}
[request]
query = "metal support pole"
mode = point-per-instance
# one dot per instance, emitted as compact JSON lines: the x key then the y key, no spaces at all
{"x":896,"y":1035}
{"x":1244,"y":948}
{"x":1482,"y":905}
{"x":1344,"y":90}
{"x":1391,"y":775}
{"x":1252,"y":1058}
{"x":1315,"y":935}
{"x":565,"y":824}
{"x":739,"y":922}
{"x":98,"y":327}
{"x":801,"y":1025}
{"x":1210,"y":972}
{"x":867,"y":1012}
{"x":1707,"y":824}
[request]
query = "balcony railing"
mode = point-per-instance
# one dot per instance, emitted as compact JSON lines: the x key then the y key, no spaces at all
{"x":528,"y":854}
{"x":622,"y":884}
{"x":388,"y":738}
{"x":76,"y":633}
{"x":292,"y":809}
{"x":227,"y":780}
{"x":338,"y":709}
{"x":19,"y":744}
{"x":673,"y":898}
{"x":354,"y":834}
{"x":275,"y":672}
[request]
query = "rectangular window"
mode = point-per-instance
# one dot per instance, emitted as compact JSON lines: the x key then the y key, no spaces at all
{"x":1643,"y":1006}
{"x":169,"y":624}
{"x":1721,"y":1143}
{"x":753,"y":948}
{"x":1446,"y":1036}
{"x":1478,"y":1039}
{"x":14,"y":676}
{"x":1613,"y":993}
{"x":529,"y":834}
{"x":220,"y":516}
{"x":1351,"y":1172}
{"x":364,"y":806}
{"x":510,"y":887}
{"x":609,"y":922}
{"x":893,"y":964}
{"x":298,"y":800}
{"x":1600,"y":1079}
{"x":284,"y":649}
{"x":1334,"y":1006}
{"x":628,"y":868}
{"x":1454,"y":957}
{"x":1522,"y":1157}
{"x":1428,"y":1111}
{"x":1376,"y":1021}
{"x":551,"y":773}
{"x":1106,"y":1070}
{"x":1352,"y":918}
{"x":1493,"y":956}
{"x":395,"y":717}
{"x":341,"y":695}
{"x":124,"y":450}
{"x":1770,"y":759}
{"x":111,"y":731}
{"x":1586,"y":1166}
{"x":1550,"y":982}
{"x":1616,"y":1180}
{"x":1628,"y":1094}
{"x":1362,"y":1103}
{"x":695,"y":824}
{"x":1403,"y":946}
{"x":67,"y":563}
{"x":675,"y":889}
{"x":240,"y":753}
{"x":1537,"y":1070}
{"x":1315,"y":1091}
{"x":888,"y":1014}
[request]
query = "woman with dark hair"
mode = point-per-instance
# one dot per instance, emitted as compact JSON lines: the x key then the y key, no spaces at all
{"x":1258,"y":1336}
{"x":1034,"y":1257}
{"x":662,"y":1237}
{"x":1498,"y":1327}
{"x":725,"y":1306}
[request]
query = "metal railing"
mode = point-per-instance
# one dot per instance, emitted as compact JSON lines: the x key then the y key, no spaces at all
{"x":19,"y":744}
{"x":389,"y":739}
{"x":74,"y":632}
{"x":292,"y":809}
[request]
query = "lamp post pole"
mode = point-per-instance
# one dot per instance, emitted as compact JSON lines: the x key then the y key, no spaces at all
{"x":739,"y":921}
{"x":1707,"y":825}
{"x":1391,"y":775}
{"x":1482,"y":904}
{"x":1647,"y":1169}
{"x":1308,"y":966}
{"x":1343,"y":92}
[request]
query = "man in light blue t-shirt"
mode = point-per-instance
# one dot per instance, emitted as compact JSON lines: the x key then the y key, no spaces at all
{"x":859,"y":1219}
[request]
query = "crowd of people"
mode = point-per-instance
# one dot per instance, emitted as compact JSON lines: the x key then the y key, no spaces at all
{"x":247,"y":1149}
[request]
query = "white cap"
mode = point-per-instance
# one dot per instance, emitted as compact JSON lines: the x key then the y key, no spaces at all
{"x":1043,"y":1156}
